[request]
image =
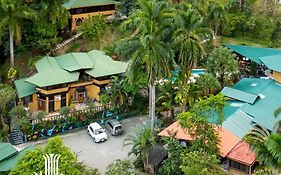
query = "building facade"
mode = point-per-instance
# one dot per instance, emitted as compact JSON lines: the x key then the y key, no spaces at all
{"x":67,"y":79}
{"x":82,"y":9}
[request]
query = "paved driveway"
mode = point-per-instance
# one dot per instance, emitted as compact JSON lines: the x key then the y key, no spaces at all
{"x":99,"y":155}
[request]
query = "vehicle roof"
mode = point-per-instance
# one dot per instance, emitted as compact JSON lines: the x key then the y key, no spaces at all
{"x":95,"y":125}
{"x":114,"y":122}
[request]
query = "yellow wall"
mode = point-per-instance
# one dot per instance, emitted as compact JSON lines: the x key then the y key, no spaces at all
{"x":76,"y":17}
{"x":34,"y":105}
{"x":277,"y":76}
{"x":57,"y":104}
{"x":47,"y":104}
{"x":71,"y":95}
{"x":93,"y":91}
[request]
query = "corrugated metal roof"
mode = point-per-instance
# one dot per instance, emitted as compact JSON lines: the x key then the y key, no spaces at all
{"x":239,"y":95}
{"x":75,"y":61}
{"x":11,"y":162}
{"x":23,"y":88}
{"x":253,"y":53}
{"x":273,"y":62}
{"x":239,"y":123}
{"x":269,"y":100}
{"x":55,"y":70}
{"x":227,"y":140}
{"x":7,"y":150}
{"x":104,"y":65}
{"x":252,"y":85}
{"x":71,"y":4}
{"x":242,"y":153}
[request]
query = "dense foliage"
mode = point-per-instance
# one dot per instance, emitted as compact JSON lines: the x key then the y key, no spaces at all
{"x":33,"y":161}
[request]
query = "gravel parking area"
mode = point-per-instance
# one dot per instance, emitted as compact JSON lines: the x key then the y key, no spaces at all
{"x":99,"y":155}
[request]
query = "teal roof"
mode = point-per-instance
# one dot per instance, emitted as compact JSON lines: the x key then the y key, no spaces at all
{"x":252,"y":85}
{"x":49,"y":73}
{"x":11,"y":162}
{"x":6,"y":151}
{"x":71,"y":4}
{"x":104,"y":65}
{"x":230,"y":108}
{"x":239,"y":95}
{"x":253,"y":53}
{"x":269,"y":93}
{"x":262,"y":110}
{"x":75,"y":61}
{"x":23,"y":88}
{"x":273,"y":62}
{"x":239,"y":123}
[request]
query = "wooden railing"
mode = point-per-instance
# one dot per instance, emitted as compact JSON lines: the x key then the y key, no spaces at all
{"x":57,"y":115}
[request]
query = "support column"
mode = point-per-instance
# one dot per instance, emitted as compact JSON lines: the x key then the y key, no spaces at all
{"x":47,"y":104}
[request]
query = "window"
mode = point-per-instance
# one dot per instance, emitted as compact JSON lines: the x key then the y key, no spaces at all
{"x":51,"y":106}
{"x":63,"y":100}
{"x":91,"y":129}
{"x":239,"y":166}
{"x":27,"y":100}
{"x":51,"y":103}
{"x":109,"y":123}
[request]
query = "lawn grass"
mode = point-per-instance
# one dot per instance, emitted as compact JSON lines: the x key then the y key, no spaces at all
{"x":244,"y":41}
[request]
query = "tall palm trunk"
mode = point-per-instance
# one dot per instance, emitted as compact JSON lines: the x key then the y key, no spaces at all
{"x":12,"y":59}
{"x":152,"y":97}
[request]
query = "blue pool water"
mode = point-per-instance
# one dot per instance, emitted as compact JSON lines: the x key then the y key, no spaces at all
{"x":198,"y":71}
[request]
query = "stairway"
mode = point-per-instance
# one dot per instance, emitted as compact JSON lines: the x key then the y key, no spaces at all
{"x":16,"y":137}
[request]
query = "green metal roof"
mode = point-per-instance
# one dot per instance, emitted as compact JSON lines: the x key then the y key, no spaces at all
{"x":262,"y":110}
{"x":104,"y":65}
{"x":230,"y":108}
{"x":64,"y":69}
{"x":71,"y":4}
{"x":253,"y":53}
{"x":6,"y":151}
{"x":49,"y":73}
{"x":252,"y":85}
{"x":273,"y":62}
{"x":239,"y":123}
{"x":11,"y":162}
{"x":239,"y":95}
{"x":23,"y":88}
{"x":75,"y":61}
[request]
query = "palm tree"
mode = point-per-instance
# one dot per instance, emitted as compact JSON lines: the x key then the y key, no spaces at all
{"x":12,"y":13}
{"x":54,"y":11}
{"x":148,"y":52}
{"x":189,"y":37}
{"x":166,"y":98}
{"x":267,"y":146}
{"x":216,"y":18}
{"x":143,"y":141}
{"x":117,"y":93}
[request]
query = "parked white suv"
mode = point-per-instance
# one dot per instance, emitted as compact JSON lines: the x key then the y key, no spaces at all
{"x":97,"y":132}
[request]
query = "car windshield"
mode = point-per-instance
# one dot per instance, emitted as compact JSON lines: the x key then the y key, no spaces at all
{"x":99,"y":131}
{"x":118,"y":127}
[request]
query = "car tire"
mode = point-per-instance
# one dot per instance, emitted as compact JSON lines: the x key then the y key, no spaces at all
{"x":95,"y":140}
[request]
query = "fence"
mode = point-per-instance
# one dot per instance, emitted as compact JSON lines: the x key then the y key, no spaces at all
{"x":57,"y":115}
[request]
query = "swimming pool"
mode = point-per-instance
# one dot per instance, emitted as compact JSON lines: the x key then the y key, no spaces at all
{"x":198,"y":71}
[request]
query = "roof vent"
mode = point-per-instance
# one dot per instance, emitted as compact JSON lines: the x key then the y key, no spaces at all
{"x":261,"y":96}
{"x":254,"y":84}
